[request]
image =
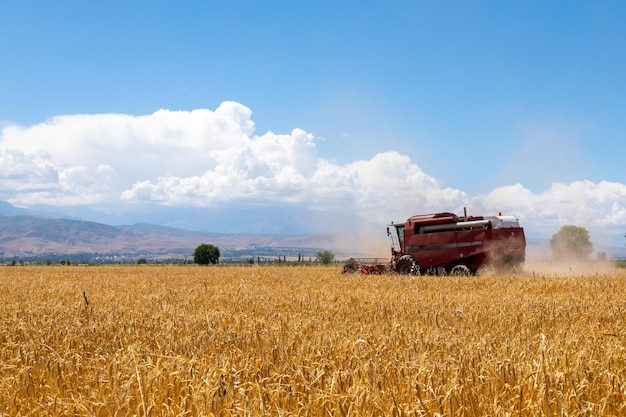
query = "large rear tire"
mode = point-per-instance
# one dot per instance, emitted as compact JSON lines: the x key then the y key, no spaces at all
{"x":408,"y":266}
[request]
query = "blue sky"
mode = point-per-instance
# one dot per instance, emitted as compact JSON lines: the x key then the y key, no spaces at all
{"x":400,"y":107}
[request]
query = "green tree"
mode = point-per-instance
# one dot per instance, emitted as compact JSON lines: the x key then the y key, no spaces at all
{"x":142,"y":261}
{"x":571,"y":242}
{"x":325,"y":257}
{"x":206,"y":254}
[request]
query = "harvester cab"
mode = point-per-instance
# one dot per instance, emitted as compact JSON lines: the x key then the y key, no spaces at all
{"x":396,"y":233}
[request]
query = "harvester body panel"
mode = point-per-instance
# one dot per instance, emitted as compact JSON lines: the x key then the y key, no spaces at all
{"x":442,"y":241}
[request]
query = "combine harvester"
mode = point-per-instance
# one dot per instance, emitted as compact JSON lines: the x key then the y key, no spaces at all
{"x":443,"y":243}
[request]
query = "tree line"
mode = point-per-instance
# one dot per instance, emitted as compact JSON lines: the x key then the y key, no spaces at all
{"x":207,"y":253}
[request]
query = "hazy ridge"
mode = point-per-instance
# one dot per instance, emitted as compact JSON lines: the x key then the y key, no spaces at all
{"x":23,"y":235}
{"x":31,"y":233}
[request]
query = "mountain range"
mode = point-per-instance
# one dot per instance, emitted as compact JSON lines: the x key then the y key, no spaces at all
{"x":27,"y":233}
{"x":29,"y":236}
{"x":41,"y":232}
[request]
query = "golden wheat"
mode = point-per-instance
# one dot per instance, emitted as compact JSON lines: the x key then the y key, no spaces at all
{"x":250,"y":341}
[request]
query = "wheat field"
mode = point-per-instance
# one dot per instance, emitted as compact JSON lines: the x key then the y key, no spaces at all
{"x":308,"y":341}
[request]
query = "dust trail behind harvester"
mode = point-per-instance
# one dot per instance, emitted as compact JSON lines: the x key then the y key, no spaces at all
{"x":568,"y":267}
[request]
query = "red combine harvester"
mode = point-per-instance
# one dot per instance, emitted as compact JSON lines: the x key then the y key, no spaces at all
{"x":443,"y":243}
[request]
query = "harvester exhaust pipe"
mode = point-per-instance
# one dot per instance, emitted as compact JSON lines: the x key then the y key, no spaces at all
{"x":465,"y":213}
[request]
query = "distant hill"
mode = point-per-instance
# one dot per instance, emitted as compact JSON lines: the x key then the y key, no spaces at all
{"x":7,"y":209}
{"x":28,"y":236}
{"x":232,"y":241}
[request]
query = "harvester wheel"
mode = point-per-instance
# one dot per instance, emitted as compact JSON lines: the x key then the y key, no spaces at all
{"x":408,"y":266}
{"x":460,"y":270}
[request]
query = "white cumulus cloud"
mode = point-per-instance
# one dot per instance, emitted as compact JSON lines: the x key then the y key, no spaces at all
{"x":204,"y":158}
{"x":596,"y":206}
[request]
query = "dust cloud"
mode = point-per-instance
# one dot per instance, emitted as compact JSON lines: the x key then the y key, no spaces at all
{"x":568,"y":268}
{"x":364,"y":246}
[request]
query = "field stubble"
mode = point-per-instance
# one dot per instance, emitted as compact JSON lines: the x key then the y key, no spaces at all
{"x":226,"y":340}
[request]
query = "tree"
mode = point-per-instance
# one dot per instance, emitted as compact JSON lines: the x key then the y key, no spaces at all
{"x":325,"y":257}
{"x":206,"y":254}
{"x":571,"y":242}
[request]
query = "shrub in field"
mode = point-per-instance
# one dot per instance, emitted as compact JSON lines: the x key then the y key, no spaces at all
{"x":571,"y":242}
{"x":325,"y":257}
{"x":206,"y":254}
